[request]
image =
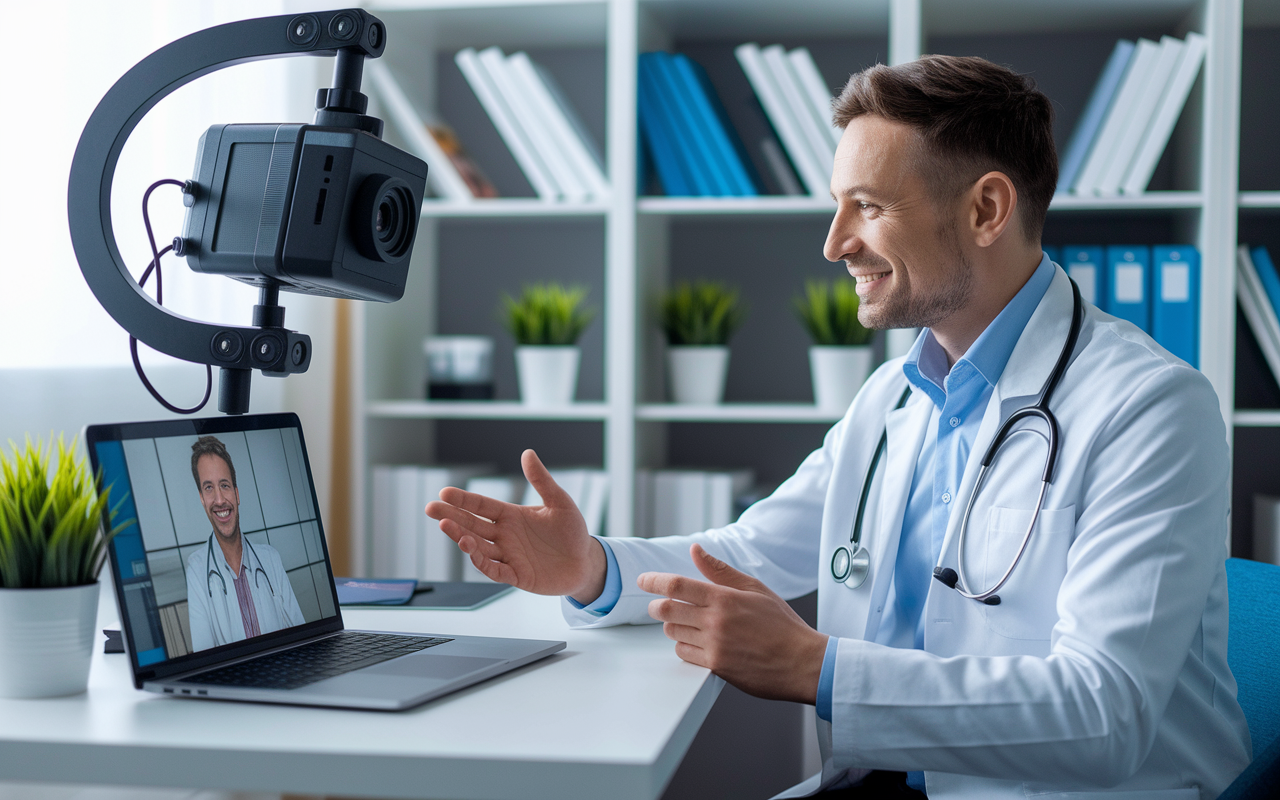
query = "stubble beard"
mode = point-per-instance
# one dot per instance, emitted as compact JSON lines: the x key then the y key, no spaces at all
{"x":905,"y":308}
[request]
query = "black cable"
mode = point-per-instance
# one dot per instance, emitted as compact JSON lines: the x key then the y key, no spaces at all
{"x":133,"y":340}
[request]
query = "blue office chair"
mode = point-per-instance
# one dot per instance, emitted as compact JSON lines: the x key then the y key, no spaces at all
{"x":1253,"y":651}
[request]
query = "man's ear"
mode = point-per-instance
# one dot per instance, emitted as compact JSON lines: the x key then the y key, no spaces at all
{"x":993,"y":205}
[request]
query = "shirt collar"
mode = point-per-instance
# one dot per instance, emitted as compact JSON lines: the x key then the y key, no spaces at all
{"x":221,"y":557}
{"x":926,"y":363}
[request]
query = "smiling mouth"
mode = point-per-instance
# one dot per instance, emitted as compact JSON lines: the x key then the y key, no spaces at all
{"x":222,"y":514}
{"x":870,"y":278}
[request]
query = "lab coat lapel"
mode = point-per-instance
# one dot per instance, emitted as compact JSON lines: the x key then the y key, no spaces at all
{"x":905,"y":429}
{"x":1024,"y":375}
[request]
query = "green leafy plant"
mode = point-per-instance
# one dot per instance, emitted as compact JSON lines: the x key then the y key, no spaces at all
{"x":829,"y":312}
{"x":50,"y":520}
{"x":547,"y":313}
{"x":701,"y":313}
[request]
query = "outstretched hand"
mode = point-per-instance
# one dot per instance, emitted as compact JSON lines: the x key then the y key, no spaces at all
{"x":542,"y":549}
{"x":739,"y":629}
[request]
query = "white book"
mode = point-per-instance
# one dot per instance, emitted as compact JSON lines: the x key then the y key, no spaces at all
{"x":439,"y":559}
{"x":1135,"y":78}
{"x":1257,"y":309}
{"x":1266,"y":529}
{"x":1166,"y":116}
{"x":382,"y":520}
{"x":779,"y":167}
{"x":778,"y":111}
{"x":815,"y":88}
{"x":557,"y":116}
{"x":814,"y":130}
{"x":679,"y":502}
{"x":534,"y":124}
{"x":1140,"y":117}
{"x":442,"y":176}
{"x":723,"y":488}
{"x":408,"y":519}
{"x":505,"y":121}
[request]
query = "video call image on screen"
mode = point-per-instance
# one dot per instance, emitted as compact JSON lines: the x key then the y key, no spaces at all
{"x":227,"y":545}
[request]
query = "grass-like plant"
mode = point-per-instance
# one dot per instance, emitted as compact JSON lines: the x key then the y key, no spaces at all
{"x":829,"y":312}
{"x":701,"y":313}
{"x":50,"y":520}
{"x":547,"y":314}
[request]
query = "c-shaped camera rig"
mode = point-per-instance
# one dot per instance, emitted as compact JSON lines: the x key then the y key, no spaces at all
{"x":351,"y":35}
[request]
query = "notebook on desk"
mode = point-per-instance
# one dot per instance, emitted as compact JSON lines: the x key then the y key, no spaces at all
{"x":224,"y":583}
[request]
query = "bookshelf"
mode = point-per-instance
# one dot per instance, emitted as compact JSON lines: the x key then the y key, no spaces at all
{"x":626,"y":248}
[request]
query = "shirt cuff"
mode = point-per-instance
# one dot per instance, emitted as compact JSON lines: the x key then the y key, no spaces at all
{"x":608,"y":598}
{"x":827,"y":679}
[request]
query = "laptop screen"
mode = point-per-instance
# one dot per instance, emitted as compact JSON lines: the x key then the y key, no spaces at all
{"x":226,"y":543}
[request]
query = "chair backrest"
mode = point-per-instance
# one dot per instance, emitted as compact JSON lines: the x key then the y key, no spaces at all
{"x":1253,"y":645}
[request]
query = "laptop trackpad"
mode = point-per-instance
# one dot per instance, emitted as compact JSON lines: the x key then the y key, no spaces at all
{"x":429,"y":665}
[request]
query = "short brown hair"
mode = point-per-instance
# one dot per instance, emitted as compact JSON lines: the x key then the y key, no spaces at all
{"x":210,"y":446}
{"x":973,"y":117}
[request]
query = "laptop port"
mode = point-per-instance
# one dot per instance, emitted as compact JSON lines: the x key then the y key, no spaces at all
{"x":201,"y":691}
{"x":186,"y":691}
{"x":168,"y":691}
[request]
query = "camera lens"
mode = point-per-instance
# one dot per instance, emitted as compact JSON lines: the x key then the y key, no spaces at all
{"x":343,"y":26}
{"x":375,"y":36}
{"x":385,"y":218}
{"x":303,"y":30}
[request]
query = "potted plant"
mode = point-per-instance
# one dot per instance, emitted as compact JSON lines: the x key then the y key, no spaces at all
{"x":840,"y":358}
{"x":698,"y":318}
{"x":51,"y":550}
{"x":546,"y":321}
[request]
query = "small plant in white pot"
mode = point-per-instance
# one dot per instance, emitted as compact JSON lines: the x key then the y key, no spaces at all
{"x":698,"y":319}
{"x":840,"y":358}
{"x":51,"y":551}
{"x":546,"y":322}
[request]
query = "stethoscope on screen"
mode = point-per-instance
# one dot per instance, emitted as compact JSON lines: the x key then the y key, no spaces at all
{"x":215,"y":571}
{"x":851,"y":565}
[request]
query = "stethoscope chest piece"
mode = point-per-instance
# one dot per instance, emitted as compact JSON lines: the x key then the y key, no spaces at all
{"x":851,"y":569}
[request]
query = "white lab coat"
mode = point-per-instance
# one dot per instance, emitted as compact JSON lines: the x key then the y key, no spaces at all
{"x":1103,"y":672}
{"x":215,"y":615}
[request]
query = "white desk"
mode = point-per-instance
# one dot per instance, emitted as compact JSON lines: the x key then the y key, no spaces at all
{"x":610,"y":716}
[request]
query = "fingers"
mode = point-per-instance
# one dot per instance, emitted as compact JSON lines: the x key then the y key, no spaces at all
{"x":664,"y":609}
{"x":721,"y":573}
{"x":542,"y":482}
{"x":470,"y":502}
{"x":677,"y":586}
{"x":493,"y":570}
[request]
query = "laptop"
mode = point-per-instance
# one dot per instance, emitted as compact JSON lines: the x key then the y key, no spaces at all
{"x":224,"y":584}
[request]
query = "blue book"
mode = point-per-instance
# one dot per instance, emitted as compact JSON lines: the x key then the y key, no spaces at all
{"x":1175,"y":310}
{"x":715,"y":123}
{"x":654,"y":128}
{"x":1129,"y":284}
{"x":1095,"y":112}
{"x":375,"y":591}
{"x":1267,"y":274}
{"x":691,"y":132}
{"x":1053,"y":252}
{"x":1085,"y":266}
{"x":670,"y":119}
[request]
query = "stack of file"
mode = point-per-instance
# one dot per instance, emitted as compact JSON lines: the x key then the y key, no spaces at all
{"x":544,"y":134}
{"x":1156,"y":288}
{"x":797,"y":102}
{"x":1258,"y":289}
{"x":680,"y":501}
{"x":1130,"y":116}
{"x":693,"y":147}
{"x":406,"y":543}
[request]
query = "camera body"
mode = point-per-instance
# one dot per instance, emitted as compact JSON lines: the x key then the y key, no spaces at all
{"x":317,"y":210}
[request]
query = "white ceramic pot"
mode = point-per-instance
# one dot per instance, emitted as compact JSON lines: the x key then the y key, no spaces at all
{"x":548,"y":374}
{"x":838,"y":373}
{"x":46,"y":640}
{"x":698,"y":373}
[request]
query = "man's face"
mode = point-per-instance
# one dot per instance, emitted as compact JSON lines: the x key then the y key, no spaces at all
{"x":221,"y":500}
{"x":899,"y":243}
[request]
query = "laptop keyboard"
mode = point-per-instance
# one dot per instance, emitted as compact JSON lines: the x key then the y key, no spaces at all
{"x":315,"y":661}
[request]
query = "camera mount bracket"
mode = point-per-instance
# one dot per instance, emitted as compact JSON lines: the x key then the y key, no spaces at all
{"x":351,"y":35}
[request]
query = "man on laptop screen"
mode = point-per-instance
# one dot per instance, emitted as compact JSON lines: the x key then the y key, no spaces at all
{"x":235,"y":590}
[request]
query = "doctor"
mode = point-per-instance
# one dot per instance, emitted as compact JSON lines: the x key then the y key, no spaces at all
{"x":1073,"y":642}
{"x":235,"y":589}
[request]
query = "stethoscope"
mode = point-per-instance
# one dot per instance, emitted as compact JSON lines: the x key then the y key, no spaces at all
{"x":215,"y":571}
{"x":851,"y":565}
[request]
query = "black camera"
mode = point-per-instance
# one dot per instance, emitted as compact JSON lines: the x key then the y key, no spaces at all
{"x":318,"y":210}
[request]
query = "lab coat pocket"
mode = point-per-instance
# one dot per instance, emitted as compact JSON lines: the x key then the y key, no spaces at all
{"x":1028,"y":606}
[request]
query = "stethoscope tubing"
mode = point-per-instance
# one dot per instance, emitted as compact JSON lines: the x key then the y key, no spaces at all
{"x":216,"y":571}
